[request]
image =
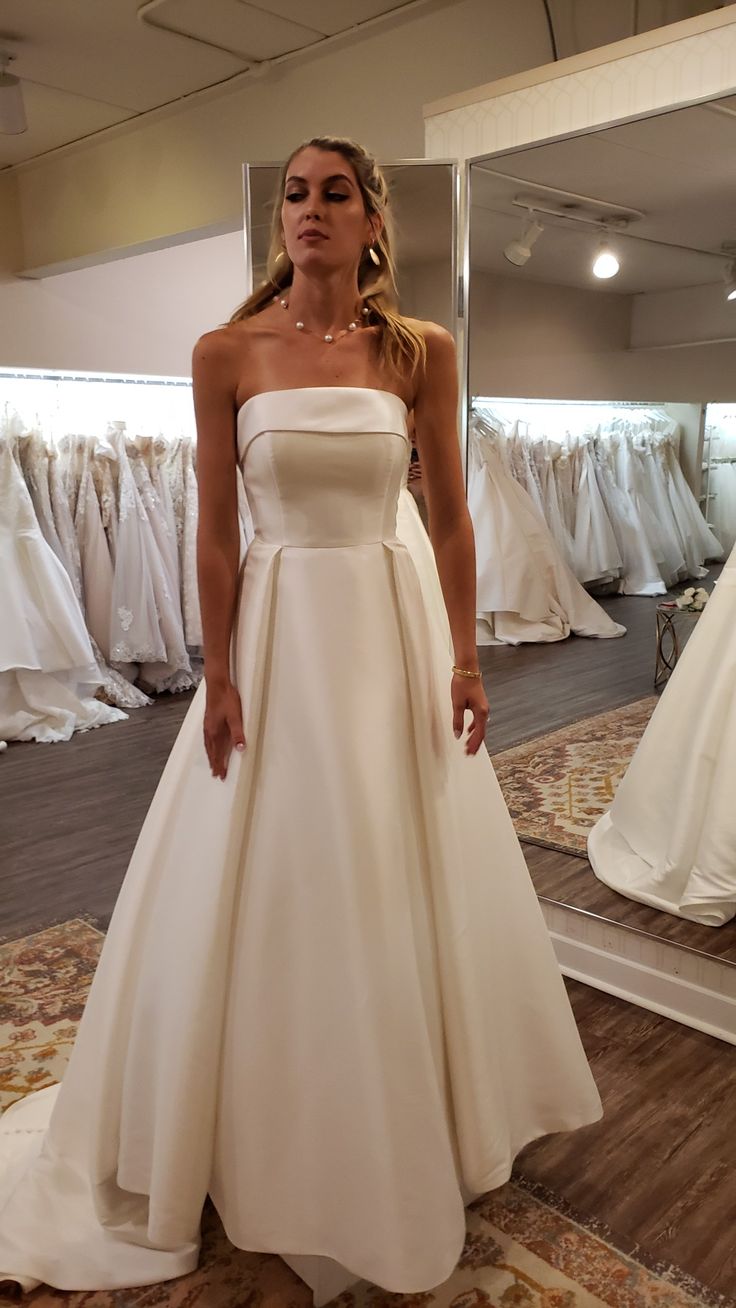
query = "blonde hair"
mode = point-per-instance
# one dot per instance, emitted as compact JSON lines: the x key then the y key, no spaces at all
{"x":400,"y":344}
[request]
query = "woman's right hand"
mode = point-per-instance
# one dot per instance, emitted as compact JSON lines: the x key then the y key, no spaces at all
{"x":223,"y":726}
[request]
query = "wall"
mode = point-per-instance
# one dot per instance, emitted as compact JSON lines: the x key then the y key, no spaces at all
{"x":182,"y":171}
{"x":11,"y":242}
{"x":687,"y":315}
{"x":139,"y":315}
{"x":535,"y":340}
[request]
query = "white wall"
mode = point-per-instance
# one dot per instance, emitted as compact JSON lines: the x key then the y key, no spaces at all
{"x":536,"y":340}
{"x":688,"y":314}
{"x":139,"y":315}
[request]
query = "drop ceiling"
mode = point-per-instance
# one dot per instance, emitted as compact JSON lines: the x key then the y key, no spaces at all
{"x":677,"y":168}
{"x":86,"y":65}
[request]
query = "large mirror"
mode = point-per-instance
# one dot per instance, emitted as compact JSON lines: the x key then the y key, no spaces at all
{"x":601,"y":375}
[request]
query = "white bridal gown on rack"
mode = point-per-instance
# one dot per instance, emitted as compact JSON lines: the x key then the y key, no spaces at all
{"x":48,"y":671}
{"x":327,"y":996}
{"x":526,"y":591}
{"x":669,"y":838}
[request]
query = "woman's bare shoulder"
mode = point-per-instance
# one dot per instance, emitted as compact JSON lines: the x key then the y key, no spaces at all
{"x":222,"y":343}
{"x":436,"y":338}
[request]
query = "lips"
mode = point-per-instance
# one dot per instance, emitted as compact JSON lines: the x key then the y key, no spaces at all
{"x":311,"y":234}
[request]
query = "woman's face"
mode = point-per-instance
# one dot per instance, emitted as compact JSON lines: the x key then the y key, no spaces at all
{"x":323,"y":216}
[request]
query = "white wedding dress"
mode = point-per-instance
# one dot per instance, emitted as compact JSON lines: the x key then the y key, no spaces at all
{"x":525,"y":592}
{"x":48,"y":672}
{"x":327,"y":996}
{"x":669,"y":838}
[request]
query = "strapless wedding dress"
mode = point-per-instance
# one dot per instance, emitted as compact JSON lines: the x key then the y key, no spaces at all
{"x":327,"y":995}
{"x":669,"y":838}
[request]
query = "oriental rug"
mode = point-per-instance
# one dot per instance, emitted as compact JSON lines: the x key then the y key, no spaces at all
{"x":556,"y":786}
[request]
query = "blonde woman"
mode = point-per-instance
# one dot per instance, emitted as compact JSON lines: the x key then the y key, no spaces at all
{"x":327,"y":998}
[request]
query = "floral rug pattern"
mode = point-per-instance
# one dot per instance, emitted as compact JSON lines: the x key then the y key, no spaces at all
{"x":524,"y":1247}
{"x":558,"y":785}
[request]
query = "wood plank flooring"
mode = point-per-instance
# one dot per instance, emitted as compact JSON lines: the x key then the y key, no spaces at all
{"x":70,"y":815}
{"x":565,"y":880}
{"x":660,"y":1168}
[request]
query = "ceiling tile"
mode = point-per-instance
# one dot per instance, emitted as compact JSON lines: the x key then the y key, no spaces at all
{"x":247,"y":29}
{"x":103,"y":52}
{"x":54,"y":119}
{"x":330,"y":16}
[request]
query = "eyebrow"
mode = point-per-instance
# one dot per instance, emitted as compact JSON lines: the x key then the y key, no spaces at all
{"x":335,"y":177}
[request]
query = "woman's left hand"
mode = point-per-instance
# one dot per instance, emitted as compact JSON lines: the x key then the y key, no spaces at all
{"x":468,"y":694}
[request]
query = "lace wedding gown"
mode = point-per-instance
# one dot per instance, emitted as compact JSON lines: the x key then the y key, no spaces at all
{"x":48,"y":671}
{"x":327,"y":996}
{"x":669,"y":838}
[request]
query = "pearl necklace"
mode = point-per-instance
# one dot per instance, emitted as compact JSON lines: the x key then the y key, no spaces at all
{"x":329,"y":339}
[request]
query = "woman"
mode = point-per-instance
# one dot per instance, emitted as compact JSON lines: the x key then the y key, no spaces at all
{"x":327,"y":997}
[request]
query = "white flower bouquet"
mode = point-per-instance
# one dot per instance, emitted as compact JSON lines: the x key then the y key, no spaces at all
{"x":693,"y":599}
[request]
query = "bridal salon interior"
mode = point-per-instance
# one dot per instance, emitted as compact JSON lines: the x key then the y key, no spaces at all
{"x":561,"y":201}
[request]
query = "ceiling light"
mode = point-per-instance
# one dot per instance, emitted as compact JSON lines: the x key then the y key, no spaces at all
{"x":12,"y":111}
{"x":731,"y":281}
{"x":518,"y":251}
{"x":605,"y":263}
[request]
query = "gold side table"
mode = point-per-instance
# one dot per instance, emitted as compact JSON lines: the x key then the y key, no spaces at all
{"x":674,"y":628}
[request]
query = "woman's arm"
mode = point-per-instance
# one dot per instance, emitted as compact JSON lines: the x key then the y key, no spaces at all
{"x":450,"y":527}
{"x":218,"y":540}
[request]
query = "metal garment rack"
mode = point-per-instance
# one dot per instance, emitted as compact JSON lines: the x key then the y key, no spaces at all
{"x":569,"y":404}
{"x":26,"y":375}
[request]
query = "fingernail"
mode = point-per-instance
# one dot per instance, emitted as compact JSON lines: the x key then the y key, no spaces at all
{"x":240,"y":746}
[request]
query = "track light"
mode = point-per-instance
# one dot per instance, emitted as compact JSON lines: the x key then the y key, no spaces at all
{"x":605,"y":264}
{"x":12,"y":111}
{"x":730,"y":280}
{"x":518,"y":251}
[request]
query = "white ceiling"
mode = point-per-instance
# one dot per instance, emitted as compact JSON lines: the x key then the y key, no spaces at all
{"x":89,"y":64}
{"x":677,"y":168}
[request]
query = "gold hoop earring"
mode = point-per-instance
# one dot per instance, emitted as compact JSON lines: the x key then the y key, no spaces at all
{"x":281,"y":255}
{"x":375,"y":258}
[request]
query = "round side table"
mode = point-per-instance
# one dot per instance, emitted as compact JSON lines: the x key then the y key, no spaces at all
{"x":674,"y":628}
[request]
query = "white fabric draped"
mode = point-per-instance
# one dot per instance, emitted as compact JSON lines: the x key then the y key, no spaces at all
{"x":115,"y":499}
{"x":526,"y":590}
{"x":49,"y":674}
{"x":608,"y":483}
{"x":669,"y":838}
{"x":720,"y":431}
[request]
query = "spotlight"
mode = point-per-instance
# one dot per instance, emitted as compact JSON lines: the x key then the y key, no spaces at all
{"x":518,"y":251}
{"x":12,"y":111}
{"x":605,"y":263}
{"x":730,"y":280}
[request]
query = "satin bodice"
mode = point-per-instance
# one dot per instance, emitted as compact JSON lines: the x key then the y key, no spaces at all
{"x":323,"y":465}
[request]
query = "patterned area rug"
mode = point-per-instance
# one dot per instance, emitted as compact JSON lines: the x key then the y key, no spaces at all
{"x":557,"y":786}
{"x":524,"y":1249}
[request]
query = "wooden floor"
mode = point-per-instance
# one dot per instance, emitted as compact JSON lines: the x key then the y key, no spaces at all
{"x":660,"y":1168}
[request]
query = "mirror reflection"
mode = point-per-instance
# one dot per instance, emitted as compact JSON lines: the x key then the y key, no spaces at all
{"x":602,"y":485}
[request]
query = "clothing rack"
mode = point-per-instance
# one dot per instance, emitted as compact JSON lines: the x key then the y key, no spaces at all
{"x":570,"y":404}
{"x":119,"y":379}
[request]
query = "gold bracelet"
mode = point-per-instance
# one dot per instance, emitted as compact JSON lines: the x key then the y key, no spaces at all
{"x":463,"y":672}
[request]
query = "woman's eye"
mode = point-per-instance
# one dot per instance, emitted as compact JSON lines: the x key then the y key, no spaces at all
{"x":294,"y":195}
{"x":336,"y":195}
